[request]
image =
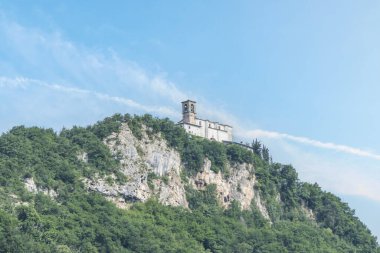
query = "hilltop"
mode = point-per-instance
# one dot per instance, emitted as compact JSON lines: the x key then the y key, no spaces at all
{"x":142,"y":184}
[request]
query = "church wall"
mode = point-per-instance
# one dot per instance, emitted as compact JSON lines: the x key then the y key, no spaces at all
{"x":204,"y":130}
{"x":223,"y":136}
{"x":193,"y":130}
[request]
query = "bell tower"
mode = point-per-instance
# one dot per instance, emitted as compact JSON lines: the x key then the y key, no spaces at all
{"x":189,"y":112}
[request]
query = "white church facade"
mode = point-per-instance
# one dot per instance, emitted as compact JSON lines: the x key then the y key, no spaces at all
{"x":203,"y":128}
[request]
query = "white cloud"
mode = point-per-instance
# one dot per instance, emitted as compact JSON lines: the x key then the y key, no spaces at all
{"x":18,"y":82}
{"x":167,"y":88}
{"x":52,"y":57}
{"x":315,"y":143}
{"x":25,"y":82}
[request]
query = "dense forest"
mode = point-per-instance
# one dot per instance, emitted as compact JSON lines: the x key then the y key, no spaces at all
{"x":78,"y":220}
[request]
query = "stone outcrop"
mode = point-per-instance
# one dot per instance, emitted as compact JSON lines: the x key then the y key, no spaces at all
{"x":139,"y":158}
{"x":31,"y":186}
{"x":238,"y":186}
{"x":151,"y":155}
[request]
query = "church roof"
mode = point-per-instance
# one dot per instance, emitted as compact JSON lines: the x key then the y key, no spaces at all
{"x":188,"y":101}
{"x":215,"y":122}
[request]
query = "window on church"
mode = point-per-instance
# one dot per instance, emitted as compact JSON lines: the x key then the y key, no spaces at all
{"x":200,"y":123}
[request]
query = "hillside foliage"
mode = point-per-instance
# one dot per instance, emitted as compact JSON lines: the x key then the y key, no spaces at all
{"x":81,"y":221}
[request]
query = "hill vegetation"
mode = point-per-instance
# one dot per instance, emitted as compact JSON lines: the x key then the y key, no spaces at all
{"x":78,"y":220}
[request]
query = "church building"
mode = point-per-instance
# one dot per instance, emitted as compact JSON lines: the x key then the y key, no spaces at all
{"x":203,"y":128}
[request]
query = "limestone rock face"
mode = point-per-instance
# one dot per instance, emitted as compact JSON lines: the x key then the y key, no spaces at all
{"x":31,"y":186}
{"x":139,"y":158}
{"x":151,"y":155}
{"x":238,"y":186}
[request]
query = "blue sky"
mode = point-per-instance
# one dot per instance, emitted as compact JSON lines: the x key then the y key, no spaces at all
{"x":303,"y":76}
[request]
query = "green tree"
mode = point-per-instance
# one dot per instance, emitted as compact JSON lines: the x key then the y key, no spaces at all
{"x":256,"y":147}
{"x":265,"y":154}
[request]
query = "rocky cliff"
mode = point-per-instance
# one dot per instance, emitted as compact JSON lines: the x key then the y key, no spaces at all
{"x":153,"y":169}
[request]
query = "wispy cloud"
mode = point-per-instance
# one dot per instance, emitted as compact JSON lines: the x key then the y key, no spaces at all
{"x":315,"y":143}
{"x":22,"y":82}
{"x":18,"y":82}
{"x":52,"y":57}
